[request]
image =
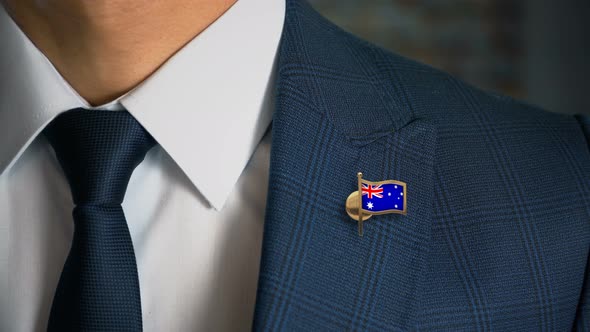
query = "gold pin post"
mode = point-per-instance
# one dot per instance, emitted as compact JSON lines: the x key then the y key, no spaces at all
{"x":360,"y":204}
{"x":354,"y":205}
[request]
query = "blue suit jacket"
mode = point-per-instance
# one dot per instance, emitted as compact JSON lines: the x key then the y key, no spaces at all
{"x":497,"y":232}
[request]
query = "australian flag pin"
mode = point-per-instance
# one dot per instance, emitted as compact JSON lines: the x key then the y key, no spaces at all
{"x":374,"y":198}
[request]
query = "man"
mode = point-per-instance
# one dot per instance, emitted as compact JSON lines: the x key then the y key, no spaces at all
{"x":105,"y":100}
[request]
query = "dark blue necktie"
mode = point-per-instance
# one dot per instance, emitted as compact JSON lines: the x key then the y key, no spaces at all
{"x":99,"y":288}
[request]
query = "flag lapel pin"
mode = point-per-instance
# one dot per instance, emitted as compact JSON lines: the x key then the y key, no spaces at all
{"x":374,"y":198}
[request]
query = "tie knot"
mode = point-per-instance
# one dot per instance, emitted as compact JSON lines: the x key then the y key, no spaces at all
{"x":98,"y":151}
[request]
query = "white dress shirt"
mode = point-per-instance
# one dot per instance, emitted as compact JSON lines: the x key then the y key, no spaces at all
{"x":195,"y":206}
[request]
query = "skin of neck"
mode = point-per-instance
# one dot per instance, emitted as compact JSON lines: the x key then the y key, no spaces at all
{"x":104,"y":48}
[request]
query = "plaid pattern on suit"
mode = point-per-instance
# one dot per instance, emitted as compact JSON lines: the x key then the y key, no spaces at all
{"x":497,"y":233}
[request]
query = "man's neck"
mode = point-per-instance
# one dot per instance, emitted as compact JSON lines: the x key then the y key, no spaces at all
{"x":104,"y":48}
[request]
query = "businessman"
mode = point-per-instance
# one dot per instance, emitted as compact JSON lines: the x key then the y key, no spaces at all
{"x":183,"y":165}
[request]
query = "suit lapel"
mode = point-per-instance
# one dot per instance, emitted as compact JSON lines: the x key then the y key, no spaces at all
{"x":333,"y":119}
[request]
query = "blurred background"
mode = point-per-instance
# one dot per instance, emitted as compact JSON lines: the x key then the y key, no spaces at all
{"x":535,"y":50}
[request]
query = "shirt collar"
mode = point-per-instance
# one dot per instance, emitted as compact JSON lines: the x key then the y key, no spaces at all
{"x":208,"y":106}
